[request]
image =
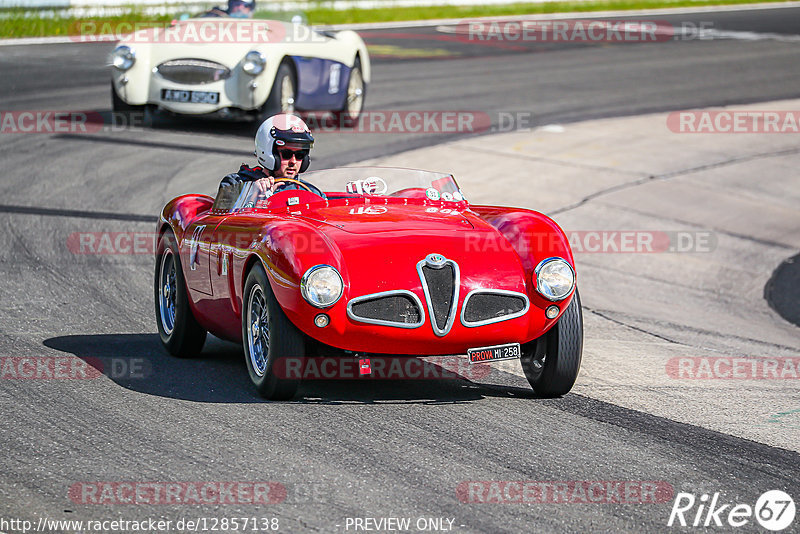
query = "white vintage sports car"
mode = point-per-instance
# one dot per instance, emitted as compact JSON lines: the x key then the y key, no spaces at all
{"x":235,"y":68}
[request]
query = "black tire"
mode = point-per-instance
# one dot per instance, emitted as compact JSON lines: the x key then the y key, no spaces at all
{"x":180,"y":332}
{"x":551,"y":363}
{"x":120,"y":106}
{"x":262,"y":355}
{"x":277,"y":99}
{"x":346,"y":117}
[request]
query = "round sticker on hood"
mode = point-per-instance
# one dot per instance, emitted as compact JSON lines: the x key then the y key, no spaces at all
{"x":432,"y":193}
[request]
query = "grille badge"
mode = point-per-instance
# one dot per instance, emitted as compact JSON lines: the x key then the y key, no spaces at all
{"x":435,"y":261}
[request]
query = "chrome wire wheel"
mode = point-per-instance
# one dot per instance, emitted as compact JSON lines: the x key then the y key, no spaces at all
{"x":355,"y":94}
{"x":167,"y":291}
{"x":258,"y":330}
{"x":287,"y":95}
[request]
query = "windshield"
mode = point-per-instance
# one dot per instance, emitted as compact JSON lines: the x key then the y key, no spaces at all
{"x":385,"y":182}
{"x":346,"y":182}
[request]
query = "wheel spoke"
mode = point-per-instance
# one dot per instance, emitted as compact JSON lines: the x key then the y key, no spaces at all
{"x":258,"y":330}
{"x":355,"y":91}
{"x":287,"y":95}
{"x":167,"y":291}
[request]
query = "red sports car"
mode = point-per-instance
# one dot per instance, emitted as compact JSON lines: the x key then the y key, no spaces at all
{"x":367,"y":261}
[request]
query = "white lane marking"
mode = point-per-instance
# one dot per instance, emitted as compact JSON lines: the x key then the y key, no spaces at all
{"x":37,"y":41}
{"x":680,"y":34}
{"x":561,"y":16}
{"x":552,"y":128}
{"x":629,"y":27}
{"x":747,"y":36}
{"x":447,"y":22}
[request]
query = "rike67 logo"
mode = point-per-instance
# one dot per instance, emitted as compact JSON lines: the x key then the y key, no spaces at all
{"x":774,"y":510}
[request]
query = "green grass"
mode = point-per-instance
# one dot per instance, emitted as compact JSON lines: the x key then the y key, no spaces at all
{"x":19,"y":23}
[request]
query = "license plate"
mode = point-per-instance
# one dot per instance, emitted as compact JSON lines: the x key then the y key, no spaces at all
{"x":509,"y":351}
{"x":193,"y":97}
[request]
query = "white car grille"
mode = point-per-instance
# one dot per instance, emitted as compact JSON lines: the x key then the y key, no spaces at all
{"x":193,"y":71}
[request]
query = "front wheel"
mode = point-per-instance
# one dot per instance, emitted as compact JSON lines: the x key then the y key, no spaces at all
{"x":120,"y":106}
{"x":281,"y":98}
{"x":269,"y":339}
{"x":180,"y":332}
{"x":551,"y":362}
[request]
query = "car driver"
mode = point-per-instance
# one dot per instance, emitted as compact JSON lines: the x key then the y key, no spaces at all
{"x":283,"y":143}
{"x":236,"y":8}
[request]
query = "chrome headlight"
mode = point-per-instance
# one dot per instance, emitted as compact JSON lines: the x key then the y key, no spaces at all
{"x":254,"y":63}
{"x":321,"y":286}
{"x":123,"y":57}
{"x":554,"y":278}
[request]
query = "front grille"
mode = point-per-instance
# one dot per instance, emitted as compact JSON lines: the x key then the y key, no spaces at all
{"x":441,"y":292}
{"x":398,"y":308}
{"x":483,"y":307}
{"x":193,"y":71}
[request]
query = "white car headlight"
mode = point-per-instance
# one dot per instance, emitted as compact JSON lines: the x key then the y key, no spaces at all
{"x":554,"y":278}
{"x":123,"y":57}
{"x":254,"y":63}
{"x":321,"y":286}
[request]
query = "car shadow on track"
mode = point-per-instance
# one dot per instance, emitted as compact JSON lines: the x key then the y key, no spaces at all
{"x":138,"y":362}
{"x":137,"y":120}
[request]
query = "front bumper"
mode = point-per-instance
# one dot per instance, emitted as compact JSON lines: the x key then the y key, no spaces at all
{"x":344,"y":332}
{"x":237,"y":92}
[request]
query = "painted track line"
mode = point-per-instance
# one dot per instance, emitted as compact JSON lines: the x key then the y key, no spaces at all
{"x":444,"y":22}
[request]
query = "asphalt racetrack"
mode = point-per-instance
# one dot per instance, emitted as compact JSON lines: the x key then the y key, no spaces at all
{"x":345,"y":455}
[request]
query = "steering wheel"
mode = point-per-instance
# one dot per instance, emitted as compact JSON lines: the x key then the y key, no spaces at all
{"x":298,"y":182}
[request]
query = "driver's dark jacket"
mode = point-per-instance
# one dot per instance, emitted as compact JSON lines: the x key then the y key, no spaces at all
{"x":251,"y":174}
{"x":245,"y":174}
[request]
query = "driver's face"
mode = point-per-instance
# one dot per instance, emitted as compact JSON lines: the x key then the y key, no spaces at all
{"x":290,"y":166}
{"x":240,"y":8}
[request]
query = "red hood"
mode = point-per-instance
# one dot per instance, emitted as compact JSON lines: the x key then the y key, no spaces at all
{"x":380,"y":246}
{"x":369,"y":219}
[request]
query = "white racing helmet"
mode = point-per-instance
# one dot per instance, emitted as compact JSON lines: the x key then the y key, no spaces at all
{"x":278,"y":132}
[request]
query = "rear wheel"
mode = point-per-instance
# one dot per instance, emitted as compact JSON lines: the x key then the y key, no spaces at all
{"x":356,"y":92}
{"x":180,"y":332}
{"x":269,"y":339}
{"x":551,"y":363}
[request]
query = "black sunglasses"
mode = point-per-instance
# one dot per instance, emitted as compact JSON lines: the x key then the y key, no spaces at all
{"x":287,"y":154}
